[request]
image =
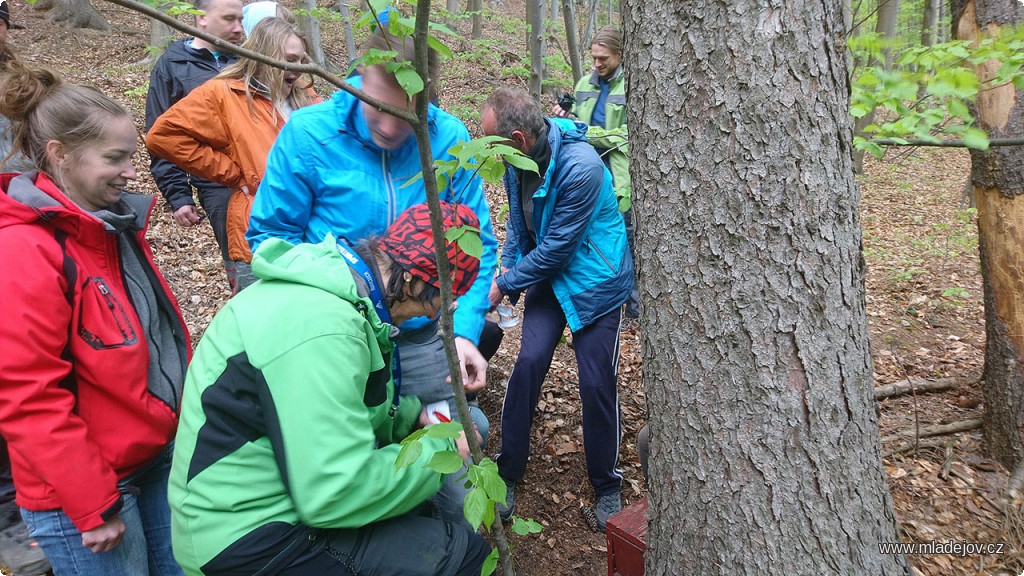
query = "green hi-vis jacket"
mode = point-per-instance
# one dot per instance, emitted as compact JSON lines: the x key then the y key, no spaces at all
{"x":285,"y":424}
{"x":614,"y":137}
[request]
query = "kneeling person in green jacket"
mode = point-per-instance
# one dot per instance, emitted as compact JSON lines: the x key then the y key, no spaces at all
{"x":284,"y":460}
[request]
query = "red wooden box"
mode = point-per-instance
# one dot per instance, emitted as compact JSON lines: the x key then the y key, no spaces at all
{"x":627,"y":540}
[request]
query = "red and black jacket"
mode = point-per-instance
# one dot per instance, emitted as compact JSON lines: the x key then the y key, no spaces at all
{"x":75,"y":407}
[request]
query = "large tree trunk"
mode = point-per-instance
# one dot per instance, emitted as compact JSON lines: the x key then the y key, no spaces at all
{"x":75,"y":14}
{"x":998,"y":182}
{"x":765,"y":452}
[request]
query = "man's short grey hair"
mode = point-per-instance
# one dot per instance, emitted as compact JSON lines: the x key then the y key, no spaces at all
{"x":515,"y":109}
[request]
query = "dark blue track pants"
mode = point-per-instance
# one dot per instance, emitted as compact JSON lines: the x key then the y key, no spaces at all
{"x":597,"y":357}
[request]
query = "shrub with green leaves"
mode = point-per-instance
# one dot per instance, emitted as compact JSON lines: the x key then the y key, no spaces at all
{"x":928,"y":91}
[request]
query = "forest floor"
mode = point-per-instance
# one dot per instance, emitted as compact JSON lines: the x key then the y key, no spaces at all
{"x":924,"y":307}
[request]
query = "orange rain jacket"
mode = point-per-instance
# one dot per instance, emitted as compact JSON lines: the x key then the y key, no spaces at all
{"x":213,"y":134}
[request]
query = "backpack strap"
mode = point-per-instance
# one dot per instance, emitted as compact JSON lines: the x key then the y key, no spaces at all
{"x":70,"y":270}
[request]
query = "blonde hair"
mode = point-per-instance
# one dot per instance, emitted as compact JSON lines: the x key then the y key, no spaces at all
{"x":611,"y":38}
{"x":42,"y":107}
{"x":268,"y":38}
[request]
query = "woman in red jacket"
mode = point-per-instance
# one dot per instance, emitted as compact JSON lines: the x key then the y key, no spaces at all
{"x":94,"y":345}
{"x":223,"y":130}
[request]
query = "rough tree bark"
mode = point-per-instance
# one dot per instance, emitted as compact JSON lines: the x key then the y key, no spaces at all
{"x":998,"y":183}
{"x":765,"y":453}
{"x":74,"y":14}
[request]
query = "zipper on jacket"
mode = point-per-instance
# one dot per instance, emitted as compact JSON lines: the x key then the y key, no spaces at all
{"x":601,"y":254}
{"x":163,"y":304}
{"x":120,"y":316}
{"x":385,"y":167}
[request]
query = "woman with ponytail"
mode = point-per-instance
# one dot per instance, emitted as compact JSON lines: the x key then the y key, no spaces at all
{"x":95,"y":348}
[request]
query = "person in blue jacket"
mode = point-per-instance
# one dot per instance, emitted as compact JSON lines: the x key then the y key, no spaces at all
{"x":566,"y":248}
{"x":345,"y":168}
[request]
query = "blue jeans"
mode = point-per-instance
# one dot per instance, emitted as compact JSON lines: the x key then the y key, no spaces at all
{"x":146,"y":548}
{"x":424,"y":371}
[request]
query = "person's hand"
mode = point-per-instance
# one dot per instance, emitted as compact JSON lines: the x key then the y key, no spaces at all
{"x":462,"y":445}
{"x":106,"y":537}
{"x":559,"y":112}
{"x":474,"y":367}
{"x":187,"y":216}
{"x":495,"y":296}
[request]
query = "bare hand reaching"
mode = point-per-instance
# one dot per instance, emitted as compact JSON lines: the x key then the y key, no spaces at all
{"x":106,"y":537}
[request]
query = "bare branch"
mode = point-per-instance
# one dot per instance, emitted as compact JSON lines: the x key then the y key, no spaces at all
{"x":905,"y":386}
{"x":938,"y":430}
{"x":313,"y":69}
{"x":942,"y":143}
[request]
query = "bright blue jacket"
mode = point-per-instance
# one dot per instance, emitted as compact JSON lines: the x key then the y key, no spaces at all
{"x":581,"y":239}
{"x":325,"y":174}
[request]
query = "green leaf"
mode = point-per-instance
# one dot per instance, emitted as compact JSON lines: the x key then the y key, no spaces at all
{"x":475,"y":506}
{"x":522,"y":162}
{"x":413,"y":180}
{"x":860,"y":109}
{"x":976,"y":139}
{"x":374,"y":56}
{"x":440,"y":47}
{"x":492,"y":171}
{"x":439,"y":27}
{"x":413,"y":437}
{"x":444,"y":430}
{"x":502,"y":213}
{"x":446,"y":462}
{"x":442,"y":182}
{"x":409,"y":80}
{"x":490,"y":563}
{"x":471,"y":244}
{"x":408,"y":455}
{"x":485,"y":477}
{"x":869,"y":147}
{"x":452,"y":234}
{"x":524,"y":526}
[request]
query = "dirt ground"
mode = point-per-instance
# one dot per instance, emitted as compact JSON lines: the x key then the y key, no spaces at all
{"x":924,"y":306}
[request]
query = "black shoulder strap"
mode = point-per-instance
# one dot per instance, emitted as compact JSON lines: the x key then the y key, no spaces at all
{"x":68,"y":266}
{"x":70,"y":270}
